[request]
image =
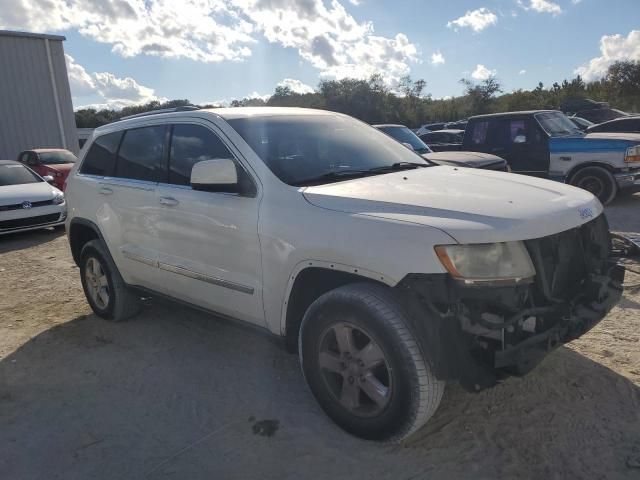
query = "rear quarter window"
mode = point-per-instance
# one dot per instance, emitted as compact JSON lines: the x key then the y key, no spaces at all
{"x":101,"y":157}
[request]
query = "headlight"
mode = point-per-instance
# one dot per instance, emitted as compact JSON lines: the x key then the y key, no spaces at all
{"x":58,"y":198}
{"x":632,"y":154}
{"x":487,"y":262}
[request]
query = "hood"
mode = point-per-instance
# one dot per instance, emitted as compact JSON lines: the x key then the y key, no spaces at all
{"x":465,"y":159}
{"x":61,"y":167}
{"x":472,"y":206}
{"x":32,"y":192}
{"x":593,"y":142}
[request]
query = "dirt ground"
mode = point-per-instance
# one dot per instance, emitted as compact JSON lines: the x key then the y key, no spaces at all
{"x":178,"y":394}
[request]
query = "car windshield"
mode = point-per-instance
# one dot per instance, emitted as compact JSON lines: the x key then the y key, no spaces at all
{"x":316,"y":149}
{"x":557,"y":124}
{"x":57,"y":158}
{"x":404,"y":135}
{"x":17,"y":175}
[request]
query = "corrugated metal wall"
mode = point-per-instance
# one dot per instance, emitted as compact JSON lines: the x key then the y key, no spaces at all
{"x":28,"y":115}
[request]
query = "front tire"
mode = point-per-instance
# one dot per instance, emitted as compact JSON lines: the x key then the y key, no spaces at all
{"x":597,"y":180}
{"x":106,"y":292}
{"x":364,"y":366}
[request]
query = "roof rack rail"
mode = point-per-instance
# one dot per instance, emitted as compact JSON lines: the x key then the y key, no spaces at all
{"x":162,"y":110}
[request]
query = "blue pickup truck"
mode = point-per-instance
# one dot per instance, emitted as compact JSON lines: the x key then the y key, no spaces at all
{"x":545,"y":143}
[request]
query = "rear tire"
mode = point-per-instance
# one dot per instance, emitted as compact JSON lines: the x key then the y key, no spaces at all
{"x":364,"y":366}
{"x":106,"y":292}
{"x":598,"y":181}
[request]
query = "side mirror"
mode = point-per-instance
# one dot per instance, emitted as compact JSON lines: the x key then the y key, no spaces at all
{"x":48,"y":178}
{"x":520,"y":139}
{"x":408,"y":145}
{"x":217,"y":175}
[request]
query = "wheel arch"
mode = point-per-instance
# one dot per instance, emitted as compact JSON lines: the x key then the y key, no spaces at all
{"x":82,"y":231}
{"x":310,"y":280}
{"x":595,"y":163}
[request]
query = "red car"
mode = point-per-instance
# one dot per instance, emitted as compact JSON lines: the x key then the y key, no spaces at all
{"x":50,"y":161}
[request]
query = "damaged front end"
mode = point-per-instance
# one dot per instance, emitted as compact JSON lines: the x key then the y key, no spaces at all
{"x":478,"y":334}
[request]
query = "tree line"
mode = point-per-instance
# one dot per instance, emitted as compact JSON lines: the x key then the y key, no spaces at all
{"x":372,"y":101}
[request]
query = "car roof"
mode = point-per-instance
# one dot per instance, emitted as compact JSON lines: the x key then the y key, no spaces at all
{"x":46,"y":150}
{"x":9,"y":162}
{"x":447,"y":130}
{"x":389,"y":125}
{"x":509,"y":114}
{"x":225,"y":113}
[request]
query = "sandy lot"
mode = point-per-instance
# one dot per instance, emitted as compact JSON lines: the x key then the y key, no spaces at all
{"x":179,"y":394}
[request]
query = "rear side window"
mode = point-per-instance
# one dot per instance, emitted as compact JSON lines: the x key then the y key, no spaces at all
{"x":101,"y":157}
{"x":479,"y":133}
{"x":140,"y":155}
{"x":191,"y":144}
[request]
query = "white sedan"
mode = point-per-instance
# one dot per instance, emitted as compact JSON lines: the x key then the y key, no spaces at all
{"x":27,"y":201}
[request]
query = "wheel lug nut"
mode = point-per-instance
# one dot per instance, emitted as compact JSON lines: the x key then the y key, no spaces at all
{"x":350,"y":379}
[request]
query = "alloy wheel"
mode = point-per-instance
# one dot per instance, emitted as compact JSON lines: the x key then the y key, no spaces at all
{"x":97,"y":283}
{"x":355,"y":369}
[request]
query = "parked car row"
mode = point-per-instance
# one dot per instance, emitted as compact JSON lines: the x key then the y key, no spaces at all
{"x":458,"y":159}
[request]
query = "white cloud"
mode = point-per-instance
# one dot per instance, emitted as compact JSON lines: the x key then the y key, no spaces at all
{"x":328,"y":37}
{"x":437,"y":58}
{"x":115,"y":92}
{"x":612,"y":48}
{"x":296,"y":85}
{"x":542,"y":6}
{"x":482,"y":73}
{"x":322,"y":32}
{"x":359,"y":2}
{"x":477,"y":20}
{"x":202,"y":30}
{"x":255,"y":94}
{"x":522,"y":72}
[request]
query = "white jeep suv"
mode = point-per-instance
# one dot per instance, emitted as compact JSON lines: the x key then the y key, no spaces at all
{"x":389,"y":275}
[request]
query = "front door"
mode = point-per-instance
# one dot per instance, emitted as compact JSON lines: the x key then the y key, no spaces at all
{"x":522,"y":144}
{"x":209,"y":252}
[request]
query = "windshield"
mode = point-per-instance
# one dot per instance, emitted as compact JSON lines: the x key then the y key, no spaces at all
{"x":57,"y":158}
{"x":17,"y":175}
{"x":557,"y":124}
{"x":404,"y":135}
{"x":297,"y":148}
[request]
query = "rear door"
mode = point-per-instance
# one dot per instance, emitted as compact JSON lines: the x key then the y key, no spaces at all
{"x":117,"y":182}
{"x":209,"y":251}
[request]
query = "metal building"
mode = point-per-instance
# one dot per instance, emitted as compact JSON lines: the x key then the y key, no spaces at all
{"x":35,"y":99}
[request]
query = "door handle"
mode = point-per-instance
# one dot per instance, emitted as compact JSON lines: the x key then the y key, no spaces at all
{"x":168,"y":201}
{"x":105,"y":191}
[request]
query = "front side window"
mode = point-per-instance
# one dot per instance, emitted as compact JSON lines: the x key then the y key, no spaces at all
{"x":191,"y":144}
{"x":101,"y":157}
{"x":140,"y":155}
{"x":315,"y":149}
{"x":14,"y":174}
{"x":57,"y":158}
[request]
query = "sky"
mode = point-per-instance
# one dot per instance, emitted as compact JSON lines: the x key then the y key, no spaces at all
{"x":125,"y":52}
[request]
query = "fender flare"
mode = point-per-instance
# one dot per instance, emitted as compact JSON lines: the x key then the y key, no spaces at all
{"x":91,"y":225}
{"x":339,"y":267}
